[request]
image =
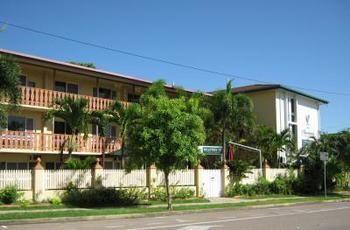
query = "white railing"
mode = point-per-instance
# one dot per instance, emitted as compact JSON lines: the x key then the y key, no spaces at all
{"x":59,"y":179}
{"x":22,"y":179}
{"x":119,"y":178}
{"x":180,"y":177}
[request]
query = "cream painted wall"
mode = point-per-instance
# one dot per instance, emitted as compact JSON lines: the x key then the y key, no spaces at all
{"x":264,"y":107}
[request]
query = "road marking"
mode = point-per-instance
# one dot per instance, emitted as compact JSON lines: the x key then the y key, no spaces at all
{"x":155,"y":223}
{"x":202,"y":227}
{"x":238,"y":219}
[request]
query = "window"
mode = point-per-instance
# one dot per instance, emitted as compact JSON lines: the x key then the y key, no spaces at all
{"x":22,"y":165}
{"x":111,"y":130}
{"x":108,"y":165}
{"x":66,"y":87}
{"x":72,"y":88}
{"x":133,"y":98}
{"x":22,"y":80}
{"x":61,"y":127}
{"x":2,"y":165}
{"x":20,"y":123}
{"x":294,"y":131}
{"x":104,"y":93}
{"x":11,"y":165}
{"x":292,"y":110}
{"x":50,"y":165}
{"x":60,"y":86}
{"x":31,"y":84}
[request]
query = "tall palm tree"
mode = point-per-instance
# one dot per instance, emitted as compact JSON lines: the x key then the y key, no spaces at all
{"x":74,"y":113}
{"x":232,"y":116}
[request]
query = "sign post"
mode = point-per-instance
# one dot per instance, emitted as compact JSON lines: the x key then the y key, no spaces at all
{"x":324,"y":158}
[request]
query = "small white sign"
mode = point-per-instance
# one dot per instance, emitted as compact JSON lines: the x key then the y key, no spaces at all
{"x":324,"y":156}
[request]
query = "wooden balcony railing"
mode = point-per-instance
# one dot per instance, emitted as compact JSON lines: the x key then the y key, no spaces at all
{"x":38,"y":142}
{"x":46,"y":98}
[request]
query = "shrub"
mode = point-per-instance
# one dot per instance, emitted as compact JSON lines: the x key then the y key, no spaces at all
{"x":262,"y":187}
{"x":9,"y":194}
{"x":159,"y":193}
{"x":24,"y":203}
{"x":101,"y":197}
{"x":56,"y":201}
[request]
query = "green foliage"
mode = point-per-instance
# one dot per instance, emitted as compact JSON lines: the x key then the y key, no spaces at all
{"x":232,"y":116}
{"x":282,"y":185}
{"x":159,"y":193}
{"x":270,"y":142}
{"x":9,"y":194}
{"x":24,"y":203}
{"x":74,"y":113}
{"x":79,"y":164}
{"x":164,"y":131}
{"x":9,"y":80}
{"x":56,"y":201}
{"x":84,"y":64}
{"x":101,"y":197}
{"x":238,"y":170}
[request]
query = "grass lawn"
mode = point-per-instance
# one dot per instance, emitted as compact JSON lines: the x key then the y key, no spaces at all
{"x":142,"y":209}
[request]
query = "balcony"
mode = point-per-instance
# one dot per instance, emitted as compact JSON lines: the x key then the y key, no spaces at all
{"x":30,"y":142}
{"x":46,"y":98}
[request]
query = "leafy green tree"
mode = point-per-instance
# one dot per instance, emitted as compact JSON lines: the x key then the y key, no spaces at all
{"x":232,"y":117}
{"x":84,"y":64}
{"x":165,"y":132}
{"x":9,"y":81}
{"x":74,"y":113}
{"x":80,"y":164}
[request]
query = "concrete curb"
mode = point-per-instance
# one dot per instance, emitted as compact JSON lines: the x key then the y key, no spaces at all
{"x":155,"y":214}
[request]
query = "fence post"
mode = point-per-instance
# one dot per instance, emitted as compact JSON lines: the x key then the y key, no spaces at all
{"x":266,"y":168}
{"x":38,"y":181}
{"x":96,"y":174}
{"x":225,"y":180}
{"x":151,"y":177}
{"x":198,"y":180}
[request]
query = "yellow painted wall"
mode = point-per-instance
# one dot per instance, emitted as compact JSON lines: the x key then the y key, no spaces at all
{"x":264,"y":107}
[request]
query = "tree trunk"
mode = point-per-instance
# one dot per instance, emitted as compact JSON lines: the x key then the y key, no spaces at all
{"x":223,"y":146}
{"x":166,"y":175}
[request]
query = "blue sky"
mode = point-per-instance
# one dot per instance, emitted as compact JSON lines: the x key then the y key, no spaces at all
{"x":299,"y":43}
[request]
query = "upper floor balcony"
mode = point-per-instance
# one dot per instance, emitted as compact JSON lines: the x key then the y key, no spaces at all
{"x":31,"y":142}
{"x":45,"y":98}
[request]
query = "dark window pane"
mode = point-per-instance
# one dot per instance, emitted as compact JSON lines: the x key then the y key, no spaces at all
{"x":60,"y":86}
{"x":94,"y":92}
{"x":22,"y":80}
{"x":72,"y":88}
{"x":113,"y":131}
{"x":50,"y":165}
{"x":31,"y":84}
{"x":133,"y":98}
{"x":108,"y":165}
{"x":94,"y":130}
{"x":31,"y":165}
{"x":22,"y":165}
{"x":60,"y":127}
{"x":2,"y":165}
{"x":114,"y":95}
{"x":104,"y":93}
{"x":16,"y":123}
{"x":30,"y":124}
{"x":58,"y":165}
{"x":11,"y":165}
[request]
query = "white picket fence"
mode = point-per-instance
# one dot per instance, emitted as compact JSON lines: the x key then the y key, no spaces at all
{"x":120,"y":178}
{"x":180,"y":177}
{"x":20,"y":178}
{"x":59,"y":179}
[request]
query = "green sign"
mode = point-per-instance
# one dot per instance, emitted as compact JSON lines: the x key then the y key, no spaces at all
{"x":211,"y":150}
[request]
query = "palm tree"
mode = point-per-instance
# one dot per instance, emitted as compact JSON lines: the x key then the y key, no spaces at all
{"x":232,"y":116}
{"x":271,"y":142}
{"x":74,"y":113}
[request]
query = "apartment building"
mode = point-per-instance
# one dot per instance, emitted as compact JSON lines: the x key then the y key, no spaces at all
{"x":43,"y":81}
{"x":281,"y":108}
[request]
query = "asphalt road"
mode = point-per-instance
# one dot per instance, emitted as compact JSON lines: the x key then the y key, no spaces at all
{"x":297,"y":217}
